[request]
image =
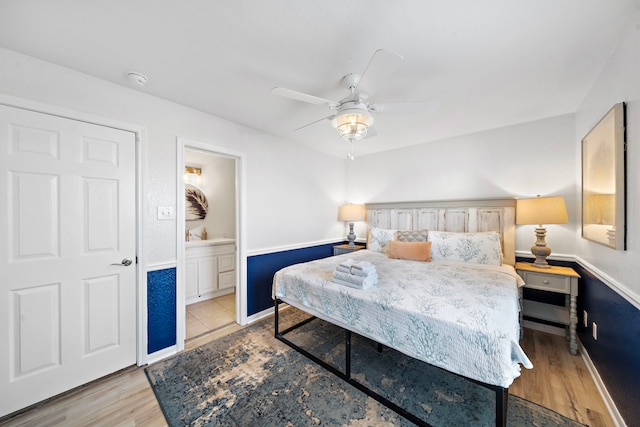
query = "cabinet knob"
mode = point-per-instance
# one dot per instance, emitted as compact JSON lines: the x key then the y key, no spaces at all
{"x":546,"y":282}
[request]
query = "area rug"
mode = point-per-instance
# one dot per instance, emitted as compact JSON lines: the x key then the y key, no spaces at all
{"x":249,"y":378}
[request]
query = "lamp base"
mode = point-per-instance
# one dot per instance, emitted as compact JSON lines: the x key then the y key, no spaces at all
{"x":540,"y":249}
{"x":351,"y":236}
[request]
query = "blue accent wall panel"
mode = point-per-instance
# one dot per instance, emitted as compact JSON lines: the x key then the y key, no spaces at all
{"x":261,"y":268}
{"x":616,"y":353}
{"x":161,"y":309}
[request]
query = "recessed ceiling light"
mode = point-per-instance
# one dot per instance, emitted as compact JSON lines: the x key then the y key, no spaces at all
{"x":138,"y":78}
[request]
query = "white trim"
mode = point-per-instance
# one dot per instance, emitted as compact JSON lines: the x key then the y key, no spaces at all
{"x":260,"y":315}
{"x":66,"y":113}
{"x":141,"y":144}
{"x":618,"y":287}
{"x":181,"y":309}
{"x":141,"y":259}
{"x":161,"y":266}
{"x":553,"y":256}
{"x":161,"y":354}
{"x":241,"y":256}
{"x":602,"y":389}
{"x":266,"y":313}
{"x":263,"y":251}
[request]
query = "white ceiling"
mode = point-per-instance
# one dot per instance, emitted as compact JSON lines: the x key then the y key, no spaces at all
{"x":489,"y":63}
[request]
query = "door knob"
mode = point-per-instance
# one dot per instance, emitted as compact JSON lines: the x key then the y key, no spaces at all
{"x":125,"y":262}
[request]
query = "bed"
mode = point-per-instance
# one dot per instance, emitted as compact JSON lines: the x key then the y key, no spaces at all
{"x":470,"y":302}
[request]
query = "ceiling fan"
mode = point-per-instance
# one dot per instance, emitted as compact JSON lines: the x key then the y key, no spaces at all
{"x":352,"y":118}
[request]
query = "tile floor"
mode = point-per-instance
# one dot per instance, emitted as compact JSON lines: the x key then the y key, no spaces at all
{"x":209,"y":315}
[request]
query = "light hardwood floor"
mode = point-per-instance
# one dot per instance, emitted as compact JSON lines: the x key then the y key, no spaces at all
{"x":558,"y":381}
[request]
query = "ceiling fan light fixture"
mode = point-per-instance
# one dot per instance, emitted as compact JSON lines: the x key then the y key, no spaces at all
{"x":352,"y":124}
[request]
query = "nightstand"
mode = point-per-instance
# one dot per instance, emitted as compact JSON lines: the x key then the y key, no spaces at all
{"x":563,"y":280}
{"x":346,"y":249}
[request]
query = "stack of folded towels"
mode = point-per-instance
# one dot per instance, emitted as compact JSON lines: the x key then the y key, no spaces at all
{"x":360,"y":275}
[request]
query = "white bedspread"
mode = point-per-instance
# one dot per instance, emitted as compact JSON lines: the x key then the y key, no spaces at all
{"x":457,"y":316}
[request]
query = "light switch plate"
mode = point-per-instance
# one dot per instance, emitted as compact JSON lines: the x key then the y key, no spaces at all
{"x":166,"y":212}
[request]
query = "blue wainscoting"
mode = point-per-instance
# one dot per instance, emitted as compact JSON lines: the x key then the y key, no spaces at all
{"x":616,"y":353}
{"x":261,"y":268}
{"x":161,"y":309}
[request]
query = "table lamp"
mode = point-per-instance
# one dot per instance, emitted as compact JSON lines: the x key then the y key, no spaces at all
{"x":351,"y":213}
{"x":541,"y":210}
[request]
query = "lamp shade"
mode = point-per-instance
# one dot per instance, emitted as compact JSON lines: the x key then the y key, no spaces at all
{"x":351,"y":213}
{"x":541,"y":210}
{"x":352,"y":123}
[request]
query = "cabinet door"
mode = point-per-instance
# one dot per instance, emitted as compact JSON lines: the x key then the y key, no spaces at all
{"x":227,"y":280}
{"x":226,"y":262}
{"x":207,"y":274}
{"x":191,"y":278}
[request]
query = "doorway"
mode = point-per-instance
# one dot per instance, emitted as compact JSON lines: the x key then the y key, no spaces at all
{"x":209,"y":239}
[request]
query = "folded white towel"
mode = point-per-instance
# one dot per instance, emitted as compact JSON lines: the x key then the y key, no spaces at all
{"x":361,"y":281}
{"x":362,"y":268}
{"x":362,"y":273}
{"x":343,"y":269}
{"x":350,"y":284}
{"x":347,"y":263}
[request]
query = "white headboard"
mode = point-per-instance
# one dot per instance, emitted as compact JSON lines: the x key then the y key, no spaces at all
{"x":466,"y":216}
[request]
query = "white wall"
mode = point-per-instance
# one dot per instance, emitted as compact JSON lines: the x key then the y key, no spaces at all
{"x":618,"y":81}
{"x":516,"y":161}
{"x":293,"y":193}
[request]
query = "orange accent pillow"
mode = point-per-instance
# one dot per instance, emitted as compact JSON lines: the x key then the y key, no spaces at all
{"x":415,"y":251}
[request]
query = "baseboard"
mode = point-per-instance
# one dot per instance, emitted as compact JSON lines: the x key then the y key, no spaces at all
{"x":161,"y":354}
{"x":602,"y":389}
{"x":265,"y":313}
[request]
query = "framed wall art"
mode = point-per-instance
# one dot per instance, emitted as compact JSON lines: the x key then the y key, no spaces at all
{"x":196,"y":203}
{"x":604,"y":180}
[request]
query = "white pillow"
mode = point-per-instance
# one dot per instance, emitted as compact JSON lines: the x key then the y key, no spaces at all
{"x":477,"y":248}
{"x":379,"y":239}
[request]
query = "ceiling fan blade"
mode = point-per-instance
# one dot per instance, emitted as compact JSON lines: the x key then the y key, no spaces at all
{"x":299,"y":96}
{"x":380,"y":68}
{"x":317,"y":121}
{"x":426,"y":107}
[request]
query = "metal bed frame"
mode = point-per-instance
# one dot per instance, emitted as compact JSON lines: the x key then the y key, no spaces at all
{"x":502,"y":394}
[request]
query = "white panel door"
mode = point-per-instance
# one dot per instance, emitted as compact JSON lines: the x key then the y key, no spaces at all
{"x":67,"y":220}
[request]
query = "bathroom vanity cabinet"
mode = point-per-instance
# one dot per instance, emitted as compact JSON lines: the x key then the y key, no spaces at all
{"x":210,"y":269}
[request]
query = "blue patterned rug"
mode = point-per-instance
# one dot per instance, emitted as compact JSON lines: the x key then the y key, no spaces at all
{"x":251,"y":379}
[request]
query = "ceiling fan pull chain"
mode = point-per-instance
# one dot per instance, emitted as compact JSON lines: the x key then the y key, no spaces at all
{"x":350,"y":155}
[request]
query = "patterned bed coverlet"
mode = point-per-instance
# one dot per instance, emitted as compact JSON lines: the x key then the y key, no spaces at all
{"x":458,"y":316}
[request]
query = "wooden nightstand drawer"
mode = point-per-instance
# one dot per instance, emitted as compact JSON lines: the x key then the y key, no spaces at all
{"x":547,"y":282}
{"x":346,"y":249}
